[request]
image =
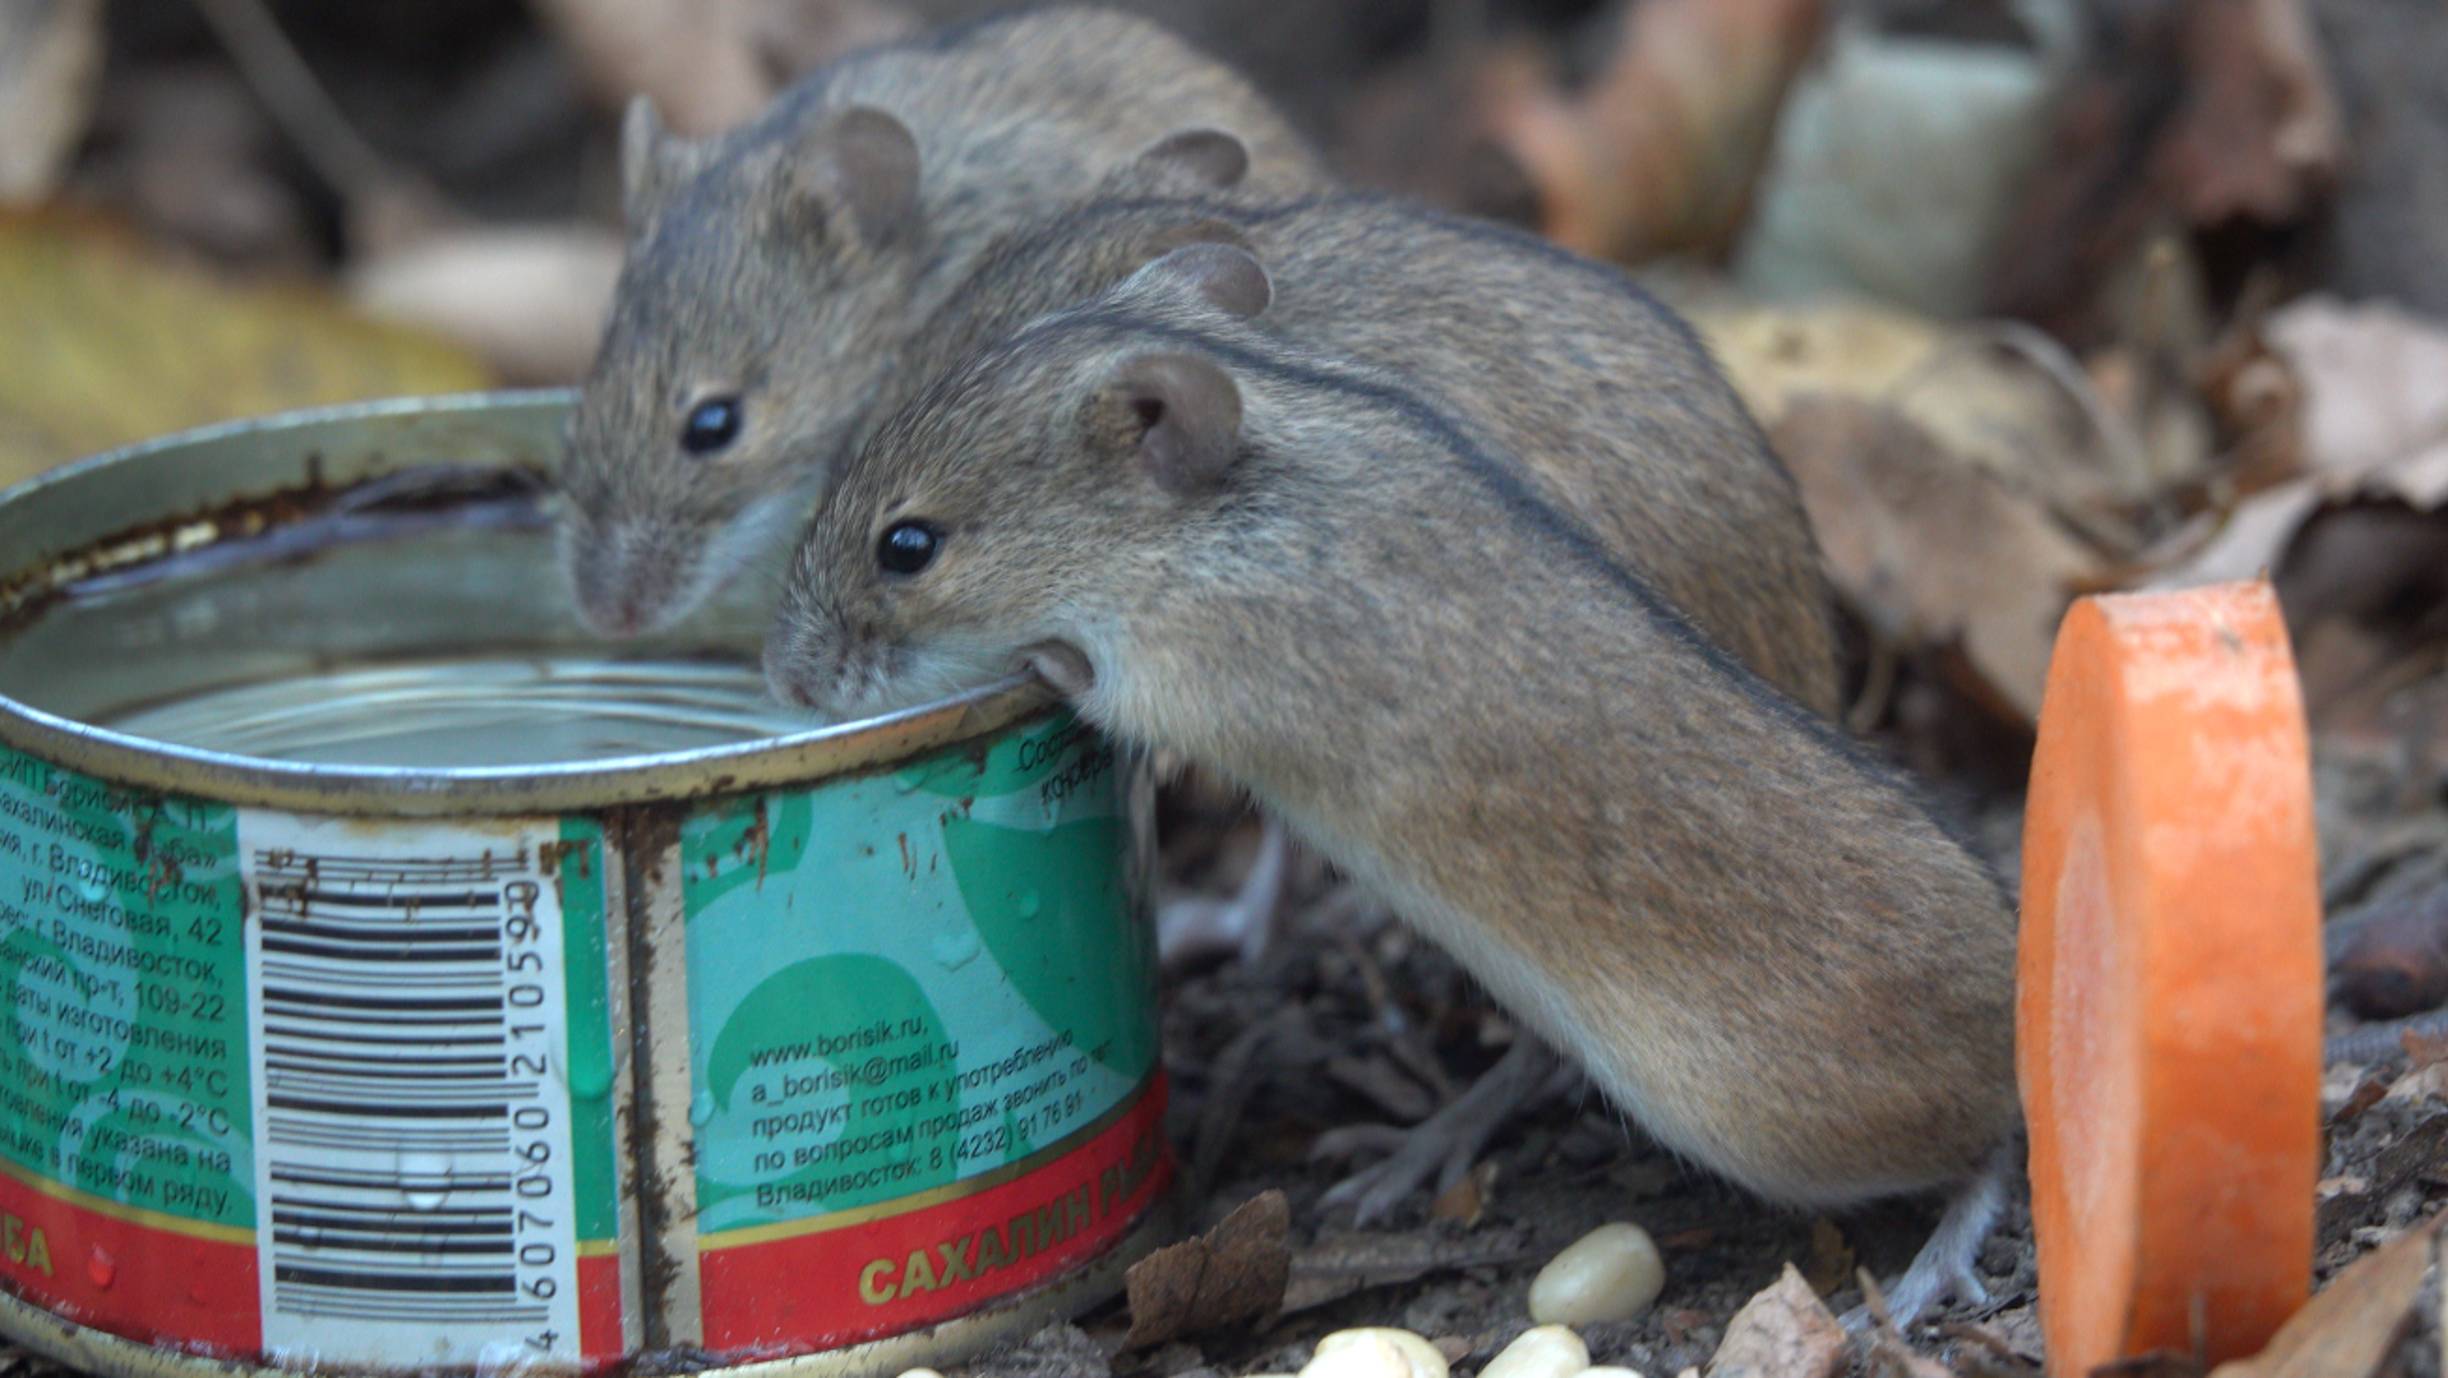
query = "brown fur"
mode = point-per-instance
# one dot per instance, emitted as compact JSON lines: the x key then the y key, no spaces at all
{"x":1604,"y":394}
{"x":1752,"y":933}
{"x":783,"y":262}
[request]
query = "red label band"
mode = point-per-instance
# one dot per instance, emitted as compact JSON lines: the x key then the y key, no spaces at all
{"x":154,"y":1284}
{"x":830,"y":1287}
{"x":599,"y":1308}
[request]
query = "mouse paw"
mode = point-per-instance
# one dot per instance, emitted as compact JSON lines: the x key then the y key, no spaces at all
{"x":1916,"y":1293}
{"x":1943,"y":1269}
{"x":1196,"y":926}
{"x":1442,"y":1147}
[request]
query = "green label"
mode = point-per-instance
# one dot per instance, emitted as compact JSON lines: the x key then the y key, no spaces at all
{"x":123,"y":1036}
{"x":905,"y":980}
{"x":580,"y":868}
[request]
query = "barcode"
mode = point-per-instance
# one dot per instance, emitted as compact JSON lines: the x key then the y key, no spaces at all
{"x":412,"y":1127}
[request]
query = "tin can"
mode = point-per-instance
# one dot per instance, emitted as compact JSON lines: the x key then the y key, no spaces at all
{"x":392,"y":979}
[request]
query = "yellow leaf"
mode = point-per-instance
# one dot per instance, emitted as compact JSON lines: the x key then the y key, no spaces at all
{"x":104,"y":342}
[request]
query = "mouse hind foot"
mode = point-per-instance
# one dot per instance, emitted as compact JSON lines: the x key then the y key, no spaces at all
{"x":1944,"y":1267}
{"x":1444,"y":1146}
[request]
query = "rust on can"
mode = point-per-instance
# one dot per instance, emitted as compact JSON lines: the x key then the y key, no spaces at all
{"x":394,"y":979}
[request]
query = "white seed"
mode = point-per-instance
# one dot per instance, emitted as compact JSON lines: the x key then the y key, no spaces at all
{"x":1542,"y":1351}
{"x":1613,"y":1273}
{"x":1608,"y":1371}
{"x":1376,"y":1352}
{"x":920,"y":1373}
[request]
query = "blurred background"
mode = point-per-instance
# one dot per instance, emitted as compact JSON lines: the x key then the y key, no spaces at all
{"x":2037,"y":297}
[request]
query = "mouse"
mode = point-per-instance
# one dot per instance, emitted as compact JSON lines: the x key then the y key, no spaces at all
{"x":770,"y":272}
{"x":1606,"y":396}
{"x":1327,"y":583}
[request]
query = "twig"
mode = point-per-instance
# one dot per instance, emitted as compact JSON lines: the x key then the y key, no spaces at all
{"x":299,"y":105}
{"x":1877,"y":690}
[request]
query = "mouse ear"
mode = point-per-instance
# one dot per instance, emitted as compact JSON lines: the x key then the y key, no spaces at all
{"x":653,"y":161}
{"x":856,"y":169}
{"x":1211,"y":158}
{"x":1226,"y":276}
{"x":1181,"y":418}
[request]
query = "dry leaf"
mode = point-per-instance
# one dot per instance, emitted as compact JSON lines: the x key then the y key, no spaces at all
{"x":2260,"y":133}
{"x":531,"y":300}
{"x":2188,"y":113}
{"x":2349,"y":1327}
{"x":1930,"y":549}
{"x":2392,"y":961}
{"x":109,"y":343}
{"x":1234,"y":1272}
{"x":1659,"y":152}
{"x":1783,"y":1332}
{"x":2001,"y":397}
{"x":2375,"y":382}
{"x":2158,"y":1363}
{"x":50,"y":65}
{"x":1831,"y":1258}
{"x":1465,"y":1202}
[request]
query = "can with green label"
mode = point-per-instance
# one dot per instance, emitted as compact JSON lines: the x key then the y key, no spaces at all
{"x":393,"y":978}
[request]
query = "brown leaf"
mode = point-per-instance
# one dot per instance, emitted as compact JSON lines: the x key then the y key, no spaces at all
{"x":1659,"y":152}
{"x":1831,"y":1258}
{"x":2392,"y":961}
{"x":50,"y":65}
{"x":1783,"y":1332}
{"x":2195,"y":112}
{"x":1234,"y":1272}
{"x":2349,"y":1327}
{"x":2260,"y":135}
{"x":1465,"y":1202}
{"x":2159,"y":1363}
{"x":1929,"y":549}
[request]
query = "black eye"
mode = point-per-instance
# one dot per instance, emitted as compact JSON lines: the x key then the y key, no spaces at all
{"x":711,"y":424}
{"x":907,"y":548}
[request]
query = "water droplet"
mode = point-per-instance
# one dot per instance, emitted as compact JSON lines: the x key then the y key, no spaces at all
{"x":92,"y":889}
{"x":101,"y":1267}
{"x":425,"y":1180}
{"x":908,"y":781}
{"x":1029,"y":903}
{"x":701,"y":1108}
{"x":954,"y":948}
{"x":590,"y":1069}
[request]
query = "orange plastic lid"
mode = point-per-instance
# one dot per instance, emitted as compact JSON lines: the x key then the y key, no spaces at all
{"x":2168,"y":1019}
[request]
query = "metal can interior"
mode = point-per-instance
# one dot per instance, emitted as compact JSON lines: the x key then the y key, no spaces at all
{"x":397,"y":978}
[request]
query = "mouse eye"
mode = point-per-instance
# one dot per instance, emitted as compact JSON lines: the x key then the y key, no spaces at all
{"x":908,"y":547}
{"x":711,"y":425}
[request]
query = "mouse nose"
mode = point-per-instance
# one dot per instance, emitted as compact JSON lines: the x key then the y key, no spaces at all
{"x":620,"y":591}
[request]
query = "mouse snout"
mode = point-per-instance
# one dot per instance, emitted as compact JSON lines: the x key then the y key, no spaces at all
{"x":624,"y":582}
{"x":801,"y":661}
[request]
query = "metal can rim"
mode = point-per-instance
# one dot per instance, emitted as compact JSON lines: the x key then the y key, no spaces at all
{"x":554,"y":787}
